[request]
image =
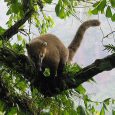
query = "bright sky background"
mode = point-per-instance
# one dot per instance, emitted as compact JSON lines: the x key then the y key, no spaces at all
{"x":90,"y":49}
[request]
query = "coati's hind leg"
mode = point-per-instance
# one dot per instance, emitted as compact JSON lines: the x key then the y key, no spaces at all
{"x":62,"y":63}
{"x":60,"y":69}
{"x":52,"y":72}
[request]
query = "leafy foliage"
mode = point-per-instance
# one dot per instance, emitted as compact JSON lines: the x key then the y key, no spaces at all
{"x":65,"y":103}
{"x":110,"y":48}
{"x":61,"y":104}
{"x":105,"y":6}
{"x":65,"y":8}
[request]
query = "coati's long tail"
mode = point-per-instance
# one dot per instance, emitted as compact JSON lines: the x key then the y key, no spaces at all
{"x":74,"y":45}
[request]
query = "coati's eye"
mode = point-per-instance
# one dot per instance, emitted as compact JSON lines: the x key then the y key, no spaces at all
{"x":44,"y":44}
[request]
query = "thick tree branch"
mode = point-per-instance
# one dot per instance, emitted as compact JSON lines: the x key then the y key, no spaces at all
{"x":14,"y":29}
{"x":100,"y":65}
{"x":53,"y":86}
{"x":20,"y":63}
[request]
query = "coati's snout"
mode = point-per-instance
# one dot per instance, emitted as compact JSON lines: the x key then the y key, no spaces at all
{"x":37,"y":53}
{"x":40,"y":60}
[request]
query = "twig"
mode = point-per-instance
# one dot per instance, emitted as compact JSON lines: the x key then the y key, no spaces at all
{"x":109,"y":34}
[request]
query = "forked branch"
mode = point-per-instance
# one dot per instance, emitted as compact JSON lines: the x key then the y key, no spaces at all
{"x":52,"y":86}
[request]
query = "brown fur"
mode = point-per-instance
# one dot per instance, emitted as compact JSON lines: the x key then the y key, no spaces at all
{"x":55,"y":55}
{"x":74,"y":45}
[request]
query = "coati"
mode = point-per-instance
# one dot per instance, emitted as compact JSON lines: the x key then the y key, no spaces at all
{"x":47,"y":51}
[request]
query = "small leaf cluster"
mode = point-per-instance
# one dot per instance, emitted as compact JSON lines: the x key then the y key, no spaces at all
{"x":14,"y":81}
{"x":43,"y":23}
{"x":110,"y":48}
{"x":106,"y":7}
{"x":16,"y":86}
{"x":71,"y":69}
{"x":15,"y":11}
{"x":65,"y":8}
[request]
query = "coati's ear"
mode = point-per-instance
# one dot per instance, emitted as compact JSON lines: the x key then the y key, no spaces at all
{"x":45,"y":44}
{"x":27,"y":46}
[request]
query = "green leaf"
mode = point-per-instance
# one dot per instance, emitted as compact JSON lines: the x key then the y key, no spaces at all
{"x":80,"y":110}
{"x":46,"y":72}
{"x":106,"y":101}
{"x":108,"y":12}
{"x":2,"y":106}
{"x":14,"y":8}
{"x":93,"y":110}
{"x":94,"y":11}
{"x":113,"y":17}
{"x":62,"y":13}
{"x":18,"y":48}
{"x":19,"y":37}
{"x":12,"y":111}
{"x":110,"y":48}
{"x":104,"y":105}
{"x":81,"y":89}
{"x":8,"y":12}
{"x":67,"y":2}
{"x":22,"y":85}
{"x":48,"y":1}
{"x":96,"y":4}
{"x":113,"y":101}
{"x":102,"y":5}
{"x":112,"y":3}
{"x":91,"y":80}
{"x":10,"y":21}
{"x":113,"y":112}
{"x":65,"y":112}
{"x":72,"y":112}
{"x":57,"y":9}
{"x":102,"y":111}
{"x":2,"y":30}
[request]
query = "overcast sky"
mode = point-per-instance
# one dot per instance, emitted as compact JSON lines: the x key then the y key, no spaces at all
{"x":90,"y":49}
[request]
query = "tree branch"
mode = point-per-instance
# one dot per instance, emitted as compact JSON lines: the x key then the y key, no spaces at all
{"x":14,"y":29}
{"x":109,"y":34}
{"x":15,"y":61}
{"x":49,"y":86}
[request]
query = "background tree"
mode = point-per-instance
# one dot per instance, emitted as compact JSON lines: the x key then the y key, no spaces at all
{"x":24,"y":92}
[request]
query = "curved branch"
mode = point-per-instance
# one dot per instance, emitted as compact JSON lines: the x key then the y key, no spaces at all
{"x":14,"y":29}
{"x":53,"y":86}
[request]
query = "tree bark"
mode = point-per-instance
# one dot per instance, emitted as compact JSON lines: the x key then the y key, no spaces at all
{"x":14,"y":29}
{"x":50,"y":86}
